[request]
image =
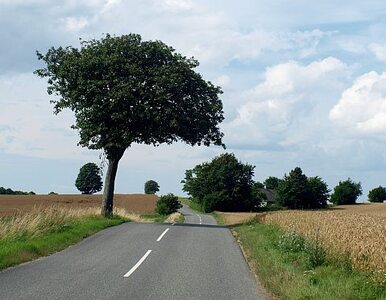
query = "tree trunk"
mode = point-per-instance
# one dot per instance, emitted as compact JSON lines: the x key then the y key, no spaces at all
{"x":108,"y":191}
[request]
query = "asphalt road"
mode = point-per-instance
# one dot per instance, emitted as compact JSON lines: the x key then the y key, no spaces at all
{"x":196,"y":260}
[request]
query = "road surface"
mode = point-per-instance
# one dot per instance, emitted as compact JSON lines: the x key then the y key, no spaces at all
{"x":196,"y":260}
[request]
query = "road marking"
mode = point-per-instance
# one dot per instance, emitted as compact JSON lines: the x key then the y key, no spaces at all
{"x":137,"y":264}
{"x":199,"y":218}
{"x":173,"y":224}
{"x":162,"y":234}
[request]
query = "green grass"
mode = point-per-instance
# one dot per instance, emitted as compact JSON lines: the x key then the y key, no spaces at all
{"x":20,"y":249}
{"x":181,"y":219}
{"x":289,"y":276}
{"x":219,"y":218}
{"x":192,"y":204}
{"x":157,"y":218}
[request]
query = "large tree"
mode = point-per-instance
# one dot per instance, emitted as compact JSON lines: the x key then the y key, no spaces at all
{"x":223,"y":184}
{"x":346,"y":192}
{"x":151,"y":187}
{"x":124,"y":90}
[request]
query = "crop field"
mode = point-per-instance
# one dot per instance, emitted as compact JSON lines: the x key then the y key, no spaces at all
{"x":132,"y":203}
{"x":357,"y":233}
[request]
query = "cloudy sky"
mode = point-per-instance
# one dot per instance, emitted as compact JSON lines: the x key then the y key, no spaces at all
{"x":304,"y":85}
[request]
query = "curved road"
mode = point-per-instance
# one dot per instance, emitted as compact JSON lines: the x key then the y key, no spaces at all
{"x":195,"y":260}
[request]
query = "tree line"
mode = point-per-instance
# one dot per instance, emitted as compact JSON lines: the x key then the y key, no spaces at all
{"x":227,"y":184}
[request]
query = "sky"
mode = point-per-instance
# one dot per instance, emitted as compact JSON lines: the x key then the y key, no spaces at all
{"x":304,"y":85}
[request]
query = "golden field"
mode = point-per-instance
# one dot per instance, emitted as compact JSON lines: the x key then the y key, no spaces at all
{"x":356,"y":232}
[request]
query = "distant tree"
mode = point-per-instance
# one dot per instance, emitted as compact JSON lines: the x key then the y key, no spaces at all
{"x":293,"y":191}
{"x":271,"y":183}
{"x":89,"y":180}
{"x":31,"y":193}
{"x":52,"y":193}
{"x":319,"y":192}
{"x":346,"y":192}
{"x":124,"y":90}
{"x":377,"y":194}
{"x":151,"y":187}
{"x":8,"y":191}
{"x":222,"y":184}
{"x":167,"y":204}
{"x":258,"y":185}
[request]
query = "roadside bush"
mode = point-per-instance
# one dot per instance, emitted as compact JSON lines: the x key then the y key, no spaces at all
{"x":346,"y":192}
{"x":89,"y":180}
{"x":168,"y":204}
{"x":377,"y":194}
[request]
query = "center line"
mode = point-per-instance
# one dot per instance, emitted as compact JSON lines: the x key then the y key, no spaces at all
{"x":137,"y":264}
{"x":199,"y":218}
{"x":162,"y":234}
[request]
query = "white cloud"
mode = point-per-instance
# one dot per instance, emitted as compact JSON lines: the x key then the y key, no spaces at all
{"x":74,"y":24}
{"x":362,"y":107}
{"x":284,"y":108}
{"x":378,"y":50}
{"x":223,"y":81}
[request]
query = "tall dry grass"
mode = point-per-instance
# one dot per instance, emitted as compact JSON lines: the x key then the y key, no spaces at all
{"x":40,"y":220}
{"x":348,"y":234}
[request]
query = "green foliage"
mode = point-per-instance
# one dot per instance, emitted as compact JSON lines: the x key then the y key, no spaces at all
{"x":377,"y":194}
{"x":151,"y":187}
{"x":52,"y":193}
{"x":8,"y":191}
{"x":223,"y":184}
{"x":168,"y":204}
{"x":346,"y":192}
{"x":124,"y":90}
{"x":271,"y":183}
{"x":258,"y":185}
{"x":89,"y":180}
{"x":296,"y":191}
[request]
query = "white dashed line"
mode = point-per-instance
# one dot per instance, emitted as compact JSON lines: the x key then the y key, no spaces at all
{"x":162,"y":234}
{"x":137,"y":264}
{"x":199,"y":218}
{"x":173,"y":224}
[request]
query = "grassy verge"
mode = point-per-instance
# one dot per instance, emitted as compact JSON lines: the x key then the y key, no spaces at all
{"x":157,"y":218}
{"x":192,"y":204}
{"x":180,"y":219}
{"x":219,"y":218}
{"x":22,"y":247}
{"x":290,"y":275}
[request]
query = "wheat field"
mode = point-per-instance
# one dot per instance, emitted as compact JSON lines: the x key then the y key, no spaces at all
{"x":357,"y":232}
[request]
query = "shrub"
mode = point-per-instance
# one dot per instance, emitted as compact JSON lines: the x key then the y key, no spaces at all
{"x":377,"y":194}
{"x":151,"y":187}
{"x":52,"y":193}
{"x":89,"y":180}
{"x":346,"y":192}
{"x":168,"y":204}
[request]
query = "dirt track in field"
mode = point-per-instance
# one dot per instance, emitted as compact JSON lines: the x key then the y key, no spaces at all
{"x":132,"y":203}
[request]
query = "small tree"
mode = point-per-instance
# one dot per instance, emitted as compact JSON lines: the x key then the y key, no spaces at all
{"x":89,"y":180}
{"x":124,"y":90}
{"x":151,"y":187}
{"x":271,"y":183}
{"x":346,"y":192}
{"x":377,"y":194}
{"x":167,"y":204}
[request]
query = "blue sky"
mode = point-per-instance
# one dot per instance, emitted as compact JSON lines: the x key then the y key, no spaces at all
{"x":304,"y":85}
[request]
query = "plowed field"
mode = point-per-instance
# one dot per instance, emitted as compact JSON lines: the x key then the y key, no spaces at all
{"x":132,"y":203}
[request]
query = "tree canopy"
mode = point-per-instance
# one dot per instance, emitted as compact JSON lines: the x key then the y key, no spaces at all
{"x":346,"y":192}
{"x":271,"y":183}
{"x":151,"y":187}
{"x":377,"y":194}
{"x":89,"y":180}
{"x":124,"y":90}
{"x":223,"y":184}
{"x":296,"y":191}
